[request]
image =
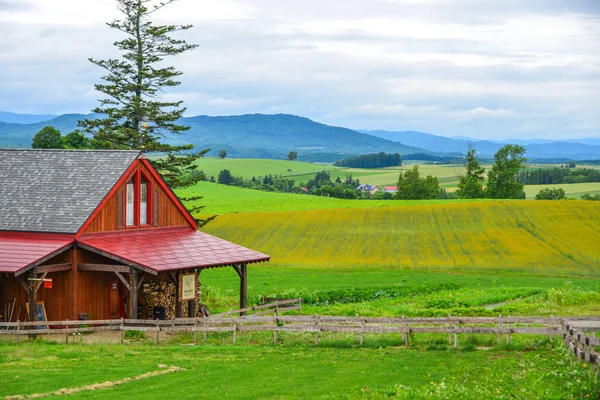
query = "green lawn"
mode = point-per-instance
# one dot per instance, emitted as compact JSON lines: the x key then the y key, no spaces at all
{"x":378,"y":370}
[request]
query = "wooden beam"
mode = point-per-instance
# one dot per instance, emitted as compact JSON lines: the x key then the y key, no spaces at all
{"x":32,"y":297}
{"x":105,"y":268}
{"x":23,"y":283}
{"x":75,"y":282}
{"x":39,"y":283}
{"x":116,"y":258}
{"x":133,"y":293}
{"x":141,"y":280}
{"x":243,"y":286}
{"x":55,"y":267}
{"x":237,"y":269}
{"x":173,"y":277}
{"x":122,"y":280}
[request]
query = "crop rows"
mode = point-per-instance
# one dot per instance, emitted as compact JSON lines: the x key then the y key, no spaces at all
{"x":541,"y":237}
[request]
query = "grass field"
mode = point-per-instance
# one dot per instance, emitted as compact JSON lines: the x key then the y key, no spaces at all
{"x":573,"y":190}
{"x":222,"y":199}
{"x":536,"y":237}
{"x":378,"y":370}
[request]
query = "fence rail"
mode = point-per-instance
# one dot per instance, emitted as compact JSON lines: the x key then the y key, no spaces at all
{"x":276,"y":306}
{"x":316,"y":324}
{"x":582,"y":342}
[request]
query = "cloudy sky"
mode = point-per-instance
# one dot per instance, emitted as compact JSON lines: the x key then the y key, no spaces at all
{"x":477,"y":68}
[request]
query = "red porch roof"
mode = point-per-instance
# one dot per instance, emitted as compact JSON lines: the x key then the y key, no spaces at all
{"x":169,"y":249}
{"x":19,"y":251}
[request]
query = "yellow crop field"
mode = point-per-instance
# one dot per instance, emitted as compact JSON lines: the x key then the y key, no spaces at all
{"x":543,"y":237}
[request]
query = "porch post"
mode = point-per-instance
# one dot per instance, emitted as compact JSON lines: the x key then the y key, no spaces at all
{"x":32,"y":291}
{"x":243,"y":286}
{"x":133,"y":293}
{"x":178,"y":308}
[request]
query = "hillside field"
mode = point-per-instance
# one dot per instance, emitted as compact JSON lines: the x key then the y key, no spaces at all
{"x":303,"y":172}
{"x":543,"y":237}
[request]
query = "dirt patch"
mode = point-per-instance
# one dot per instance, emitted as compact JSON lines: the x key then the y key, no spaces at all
{"x":104,"y":385}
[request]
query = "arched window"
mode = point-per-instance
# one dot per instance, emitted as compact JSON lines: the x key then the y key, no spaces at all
{"x":139,"y":199}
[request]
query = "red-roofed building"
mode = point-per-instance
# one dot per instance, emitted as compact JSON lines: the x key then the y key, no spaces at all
{"x":104,"y":226}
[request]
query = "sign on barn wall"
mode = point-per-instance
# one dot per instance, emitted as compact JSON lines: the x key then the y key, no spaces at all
{"x":187,"y":287}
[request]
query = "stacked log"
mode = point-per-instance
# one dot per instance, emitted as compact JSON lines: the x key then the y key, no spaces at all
{"x":162,"y":292}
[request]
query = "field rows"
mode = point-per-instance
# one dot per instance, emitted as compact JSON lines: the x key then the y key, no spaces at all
{"x":541,"y":237}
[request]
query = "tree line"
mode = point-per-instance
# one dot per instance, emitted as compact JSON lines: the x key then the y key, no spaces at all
{"x":550,"y":176}
{"x":375,"y":160}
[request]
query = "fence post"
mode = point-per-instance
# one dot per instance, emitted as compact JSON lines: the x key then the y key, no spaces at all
{"x":449,"y":335}
{"x":317,"y":329}
{"x":275,"y":330}
{"x":122,"y":331}
{"x":455,"y":337}
{"x":204,"y":331}
{"x":499,"y":327}
{"x":234,"y":333}
{"x":18,"y":329}
{"x":508,"y":333}
{"x":300,"y":309}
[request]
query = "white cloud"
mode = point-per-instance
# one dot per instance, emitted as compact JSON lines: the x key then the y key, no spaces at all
{"x":448,"y":67}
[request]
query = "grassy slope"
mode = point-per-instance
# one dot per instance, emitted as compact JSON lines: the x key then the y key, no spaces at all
{"x":221,"y":199}
{"x":540,"y":237}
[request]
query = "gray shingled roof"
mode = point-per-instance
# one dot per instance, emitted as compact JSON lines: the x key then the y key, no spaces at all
{"x":56,"y":190}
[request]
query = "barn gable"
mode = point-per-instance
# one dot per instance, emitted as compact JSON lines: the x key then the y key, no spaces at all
{"x":163,"y":207}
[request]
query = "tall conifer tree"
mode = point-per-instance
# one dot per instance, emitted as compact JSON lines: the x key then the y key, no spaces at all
{"x":133,"y":116}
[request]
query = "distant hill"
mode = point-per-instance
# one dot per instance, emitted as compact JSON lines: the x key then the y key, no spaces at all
{"x":252,"y":135}
{"x":536,"y":148}
{"x":13,"y":118}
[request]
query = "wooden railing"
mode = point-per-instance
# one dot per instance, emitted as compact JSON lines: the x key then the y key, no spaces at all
{"x":581,"y":340}
{"x":452,"y":326}
{"x":275,"y":307}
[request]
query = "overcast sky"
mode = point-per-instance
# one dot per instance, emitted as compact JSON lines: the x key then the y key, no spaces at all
{"x":477,"y":68}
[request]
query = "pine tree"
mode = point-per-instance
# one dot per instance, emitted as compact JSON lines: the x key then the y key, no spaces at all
{"x":133,"y":116}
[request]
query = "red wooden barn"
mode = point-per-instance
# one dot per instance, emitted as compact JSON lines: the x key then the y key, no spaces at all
{"x":101,"y":225}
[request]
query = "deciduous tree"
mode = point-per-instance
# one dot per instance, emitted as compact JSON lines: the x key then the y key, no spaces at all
{"x":470,"y":183}
{"x":47,"y":138}
{"x":502,"y":182}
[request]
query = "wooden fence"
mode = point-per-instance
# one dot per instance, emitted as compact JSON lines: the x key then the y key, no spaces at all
{"x":452,"y":326}
{"x":274,"y":307}
{"x":579,"y":337}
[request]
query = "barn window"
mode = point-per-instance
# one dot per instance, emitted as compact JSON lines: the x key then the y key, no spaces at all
{"x":130,"y":205}
{"x":138,"y":204}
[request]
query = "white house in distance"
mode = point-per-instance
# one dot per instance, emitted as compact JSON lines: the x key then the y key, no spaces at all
{"x":390,"y":189}
{"x":368,"y":188}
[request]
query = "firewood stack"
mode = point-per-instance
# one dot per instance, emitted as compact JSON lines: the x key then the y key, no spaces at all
{"x":162,"y":292}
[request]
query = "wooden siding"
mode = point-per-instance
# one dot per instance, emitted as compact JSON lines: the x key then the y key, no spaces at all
{"x":96,"y":294}
{"x":110,"y":217}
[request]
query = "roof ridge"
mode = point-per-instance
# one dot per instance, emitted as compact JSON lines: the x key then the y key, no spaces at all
{"x":73,"y":150}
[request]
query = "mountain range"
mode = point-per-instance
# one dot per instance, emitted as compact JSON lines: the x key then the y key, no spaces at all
{"x":577,"y":149}
{"x":273,"y":136}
